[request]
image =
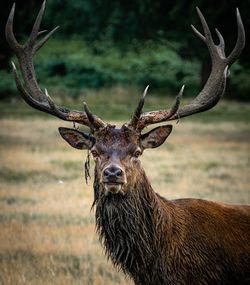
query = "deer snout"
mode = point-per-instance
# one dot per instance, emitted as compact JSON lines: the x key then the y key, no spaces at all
{"x":113,"y":178}
{"x":113,"y":174}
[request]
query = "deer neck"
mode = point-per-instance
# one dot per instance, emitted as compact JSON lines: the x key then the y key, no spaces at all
{"x":128,"y":225}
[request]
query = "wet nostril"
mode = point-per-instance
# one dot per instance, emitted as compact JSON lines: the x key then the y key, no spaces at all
{"x":106,"y":173}
{"x":118,"y":173}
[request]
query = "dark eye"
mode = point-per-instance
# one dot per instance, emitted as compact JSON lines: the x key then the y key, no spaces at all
{"x":137,"y":153}
{"x":94,"y":153}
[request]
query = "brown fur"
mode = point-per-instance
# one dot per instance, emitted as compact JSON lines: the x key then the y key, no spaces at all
{"x":158,"y":241}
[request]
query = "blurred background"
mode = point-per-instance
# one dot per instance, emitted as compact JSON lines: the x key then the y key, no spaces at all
{"x":105,"y":43}
{"x":105,"y":53}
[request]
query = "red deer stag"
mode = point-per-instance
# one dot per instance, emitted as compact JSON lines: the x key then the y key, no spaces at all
{"x":154,"y":240}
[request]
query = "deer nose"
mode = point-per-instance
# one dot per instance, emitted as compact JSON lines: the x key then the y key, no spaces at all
{"x":113,"y":174}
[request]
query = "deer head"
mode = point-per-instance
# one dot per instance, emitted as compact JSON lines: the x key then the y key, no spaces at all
{"x":117,"y":150}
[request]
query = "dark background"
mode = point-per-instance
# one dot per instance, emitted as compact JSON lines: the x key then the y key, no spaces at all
{"x":103,"y":43}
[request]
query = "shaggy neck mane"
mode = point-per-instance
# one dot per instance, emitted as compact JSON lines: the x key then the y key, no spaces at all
{"x":129,"y":227}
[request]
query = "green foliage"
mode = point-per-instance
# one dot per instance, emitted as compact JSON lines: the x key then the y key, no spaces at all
{"x":102,"y":43}
{"x":7,"y":85}
{"x":76,"y":66}
{"x":239,"y":86}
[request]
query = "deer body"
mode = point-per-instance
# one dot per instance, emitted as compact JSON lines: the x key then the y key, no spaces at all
{"x":153,"y":240}
{"x":195,"y":241}
{"x":186,"y":241}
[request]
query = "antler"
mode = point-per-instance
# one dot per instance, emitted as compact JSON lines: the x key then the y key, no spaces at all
{"x":32,"y":93}
{"x":214,"y":87}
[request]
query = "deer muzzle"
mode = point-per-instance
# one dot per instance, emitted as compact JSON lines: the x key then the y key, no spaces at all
{"x":113,"y":179}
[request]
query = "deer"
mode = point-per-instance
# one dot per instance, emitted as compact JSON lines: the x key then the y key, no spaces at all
{"x":152,"y":239}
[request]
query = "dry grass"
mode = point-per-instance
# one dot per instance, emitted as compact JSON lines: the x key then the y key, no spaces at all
{"x":47,"y":233}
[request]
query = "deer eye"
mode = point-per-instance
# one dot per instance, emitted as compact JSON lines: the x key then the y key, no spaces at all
{"x":137,"y":153}
{"x":94,"y":153}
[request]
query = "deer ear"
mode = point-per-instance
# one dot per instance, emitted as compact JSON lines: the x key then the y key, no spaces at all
{"x":76,"y":138}
{"x":155,"y":137}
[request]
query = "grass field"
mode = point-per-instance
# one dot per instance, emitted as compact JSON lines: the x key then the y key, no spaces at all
{"x":47,"y":232}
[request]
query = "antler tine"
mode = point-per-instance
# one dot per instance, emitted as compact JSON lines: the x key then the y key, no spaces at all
{"x":216,"y":83}
{"x":221,"y":45}
{"x":134,"y":121}
{"x":154,"y":117}
{"x":176,"y":105}
{"x":198,"y":33}
{"x":95,"y":122}
{"x":240,"y":43}
{"x":45,"y":39}
{"x":42,"y":32}
{"x":36,"y":26}
{"x":32,"y":93}
{"x":15,"y":46}
{"x":221,"y":39}
{"x":207,"y":38}
{"x":206,"y":29}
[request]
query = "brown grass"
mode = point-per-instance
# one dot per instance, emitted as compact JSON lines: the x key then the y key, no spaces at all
{"x":47,"y":233}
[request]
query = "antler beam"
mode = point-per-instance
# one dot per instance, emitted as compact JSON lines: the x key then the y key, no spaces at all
{"x":32,"y":93}
{"x":215,"y":85}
